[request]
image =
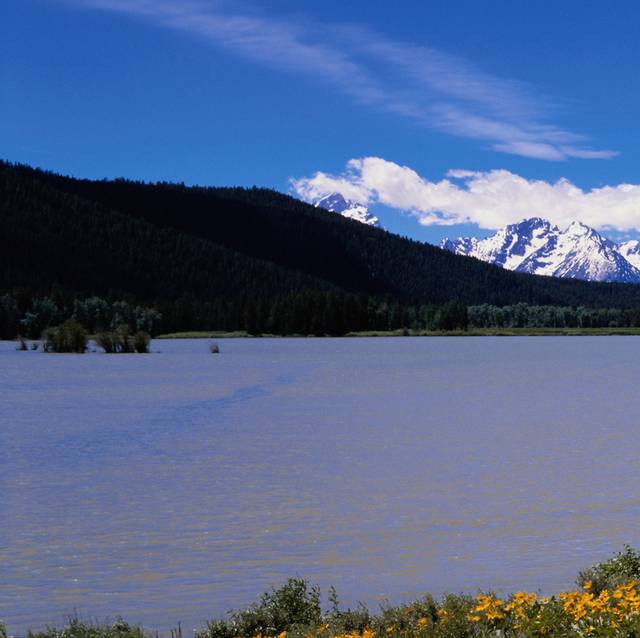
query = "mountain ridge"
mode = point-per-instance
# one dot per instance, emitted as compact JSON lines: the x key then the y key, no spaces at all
{"x":535,"y":246}
{"x":337,"y":203}
{"x":230,"y":257}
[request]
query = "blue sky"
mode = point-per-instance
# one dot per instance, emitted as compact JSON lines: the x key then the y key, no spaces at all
{"x":518,"y":94}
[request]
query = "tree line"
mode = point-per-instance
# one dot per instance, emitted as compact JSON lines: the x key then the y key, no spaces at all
{"x":308,"y":312}
{"x":32,"y":319}
{"x":523,"y":315}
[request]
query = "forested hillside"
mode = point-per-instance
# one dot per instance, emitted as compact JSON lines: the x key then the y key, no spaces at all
{"x":240,"y":258}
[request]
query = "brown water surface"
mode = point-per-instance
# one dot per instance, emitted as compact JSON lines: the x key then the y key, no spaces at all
{"x":172,"y":486}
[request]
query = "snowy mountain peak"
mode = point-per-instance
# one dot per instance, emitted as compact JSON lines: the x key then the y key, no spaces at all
{"x":577,"y":229}
{"x":336,"y":203}
{"x":509,"y":247}
{"x":633,"y":245}
{"x":536,"y":246}
{"x":532,"y":223}
{"x":630,"y":250}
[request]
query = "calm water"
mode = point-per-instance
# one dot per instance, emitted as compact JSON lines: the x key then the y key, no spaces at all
{"x":174,"y":486}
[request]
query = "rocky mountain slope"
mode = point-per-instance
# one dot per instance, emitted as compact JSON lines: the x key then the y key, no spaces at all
{"x":535,"y":246}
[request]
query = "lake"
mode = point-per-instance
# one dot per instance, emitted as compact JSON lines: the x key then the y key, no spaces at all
{"x":173,"y":486}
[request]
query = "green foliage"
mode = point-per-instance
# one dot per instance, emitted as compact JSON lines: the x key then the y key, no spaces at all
{"x":405,"y":617}
{"x":294,"y":604}
{"x":43,"y":314}
{"x":217,"y":629}
{"x":452,"y":620}
{"x":95,"y":313}
{"x":80,"y":629}
{"x":349,"y":620}
{"x":523,"y":315}
{"x":3,"y":631}
{"x":70,"y":336}
{"x":451,"y":316}
{"x":308,"y":312}
{"x":618,"y":569}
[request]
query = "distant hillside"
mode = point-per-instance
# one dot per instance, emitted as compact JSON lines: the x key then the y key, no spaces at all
{"x":168,"y":244}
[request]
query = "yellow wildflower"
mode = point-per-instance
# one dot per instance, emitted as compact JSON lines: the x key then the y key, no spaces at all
{"x":489,"y":606}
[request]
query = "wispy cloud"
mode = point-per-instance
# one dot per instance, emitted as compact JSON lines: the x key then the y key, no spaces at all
{"x":490,"y":199}
{"x":430,"y":87}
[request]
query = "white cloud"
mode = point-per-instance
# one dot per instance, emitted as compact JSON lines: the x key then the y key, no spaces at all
{"x":432,"y":88}
{"x":490,"y":199}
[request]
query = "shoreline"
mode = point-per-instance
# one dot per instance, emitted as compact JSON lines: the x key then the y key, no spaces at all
{"x":472,"y":332}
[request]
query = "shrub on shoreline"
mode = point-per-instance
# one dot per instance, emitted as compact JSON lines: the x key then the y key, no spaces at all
{"x":609,"y":574}
{"x":81,"y":629}
{"x":293,"y":611}
{"x":609,"y":608}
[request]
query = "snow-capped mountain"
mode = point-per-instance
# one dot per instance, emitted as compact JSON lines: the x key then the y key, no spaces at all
{"x":336,"y":203}
{"x":536,"y":246}
{"x":508,"y":247}
{"x":630,"y":250}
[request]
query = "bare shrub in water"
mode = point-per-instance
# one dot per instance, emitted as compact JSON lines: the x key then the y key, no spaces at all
{"x":123,"y":337}
{"x":107,"y":341}
{"x":141,"y":341}
{"x":121,"y":340}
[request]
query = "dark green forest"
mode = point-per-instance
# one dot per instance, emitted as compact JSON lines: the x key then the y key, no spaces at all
{"x":251,"y":259}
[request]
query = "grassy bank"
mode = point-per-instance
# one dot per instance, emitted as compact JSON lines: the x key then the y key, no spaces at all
{"x":471,"y":332}
{"x":504,"y":332}
{"x":605,"y":603}
{"x":206,"y":334}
